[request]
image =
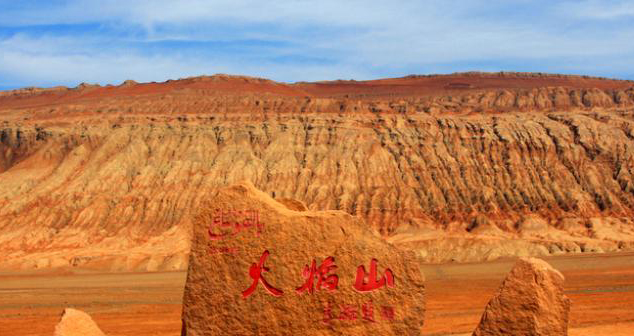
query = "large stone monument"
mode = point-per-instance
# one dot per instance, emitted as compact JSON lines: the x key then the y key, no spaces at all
{"x":259,"y":268}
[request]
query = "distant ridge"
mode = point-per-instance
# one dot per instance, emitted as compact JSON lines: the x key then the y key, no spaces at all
{"x":259,"y":80}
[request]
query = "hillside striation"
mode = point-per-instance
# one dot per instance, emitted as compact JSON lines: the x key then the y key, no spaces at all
{"x":461,"y":167}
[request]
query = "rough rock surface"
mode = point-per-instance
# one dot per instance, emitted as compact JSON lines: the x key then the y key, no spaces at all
{"x":529,"y":302}
{"x":509,"y":164}
{"x":77,"y":323}
{"x":334,"y":300}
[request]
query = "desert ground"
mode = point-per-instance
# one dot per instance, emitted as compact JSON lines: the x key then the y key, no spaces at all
{"x":601,"y":287}
{"x":99,"y":187}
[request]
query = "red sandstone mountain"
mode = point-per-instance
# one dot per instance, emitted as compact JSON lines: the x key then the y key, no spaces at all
{"x":466,"y":166}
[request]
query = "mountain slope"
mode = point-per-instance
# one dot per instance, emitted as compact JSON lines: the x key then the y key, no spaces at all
{"x":465,"y":167}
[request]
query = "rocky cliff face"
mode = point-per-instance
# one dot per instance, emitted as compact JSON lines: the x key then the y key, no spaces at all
{"x":109,"y":177}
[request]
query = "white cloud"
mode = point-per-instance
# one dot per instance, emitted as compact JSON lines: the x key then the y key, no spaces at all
{"x":351,"y":12}
{"x":599,"y":10}
{"x":66,"y":61}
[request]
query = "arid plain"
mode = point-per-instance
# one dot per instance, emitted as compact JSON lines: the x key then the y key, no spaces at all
{"x":98,"y":186}
{"x":601,"y":288}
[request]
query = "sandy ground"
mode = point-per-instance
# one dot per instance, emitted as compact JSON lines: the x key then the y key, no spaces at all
{"x":601,"y":288}
{"x":122,"y":304}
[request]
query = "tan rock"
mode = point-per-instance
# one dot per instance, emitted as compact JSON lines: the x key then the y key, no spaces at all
{"x":254,"y":235}
{"x":530,"y":301}
{"x":77,"y":323}
{"x":293,"y":204}
{"x":532,"y":224}
{"x":128,"y":83}
{"x":108,"y":178}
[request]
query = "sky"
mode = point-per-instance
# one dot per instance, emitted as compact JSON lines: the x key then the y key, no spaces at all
{"x":65,"y":42}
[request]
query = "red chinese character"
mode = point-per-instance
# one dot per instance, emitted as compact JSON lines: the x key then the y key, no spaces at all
{"x":226,"y":216}
{"x":324,"y":280}
{"x":252,"y":218}
{"x":229,"y":223}
{"x":368,"y":282}
{"x":255,"y":272}
{"x":328,"y":315}
{"x":227,"y":250}
{"x":348,"y":312}
{"x":387,"y":313}
{"x":221,"y":249}
{"x":367,"y":309}
{"x":217,"y":220}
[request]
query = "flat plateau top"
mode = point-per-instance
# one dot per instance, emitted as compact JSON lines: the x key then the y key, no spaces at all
{"x":240,"y":85}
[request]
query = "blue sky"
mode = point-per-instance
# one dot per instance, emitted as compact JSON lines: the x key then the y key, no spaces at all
{"x":66,"y":42}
